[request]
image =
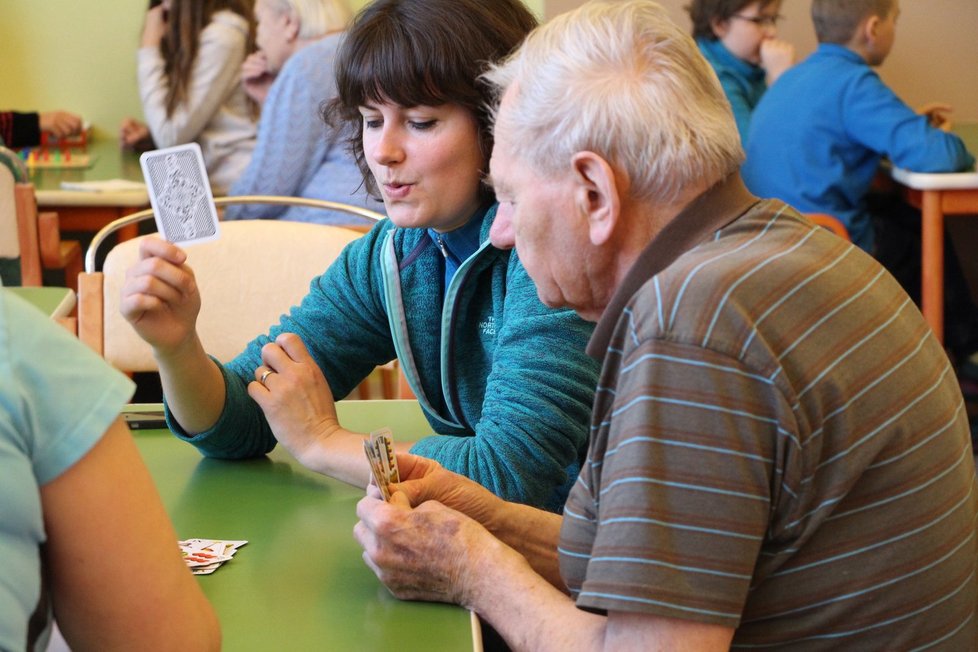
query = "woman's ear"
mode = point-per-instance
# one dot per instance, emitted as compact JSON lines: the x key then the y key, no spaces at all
{"x":292,"y":26}
{"x":596,"y":195}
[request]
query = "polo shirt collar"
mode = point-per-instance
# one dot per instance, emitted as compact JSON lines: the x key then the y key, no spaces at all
{"x":836,"y":50}
{"x":705,"y":215}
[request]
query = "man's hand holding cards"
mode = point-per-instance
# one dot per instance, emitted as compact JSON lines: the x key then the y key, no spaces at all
{"x":382,"y":460}
{"x":180,"y":194}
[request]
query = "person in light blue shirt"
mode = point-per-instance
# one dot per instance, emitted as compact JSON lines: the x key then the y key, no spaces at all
{"x":738,"y":39}
{"x":296,"y":154}
{"x":75,"y":493}
{"x":817,"y":138}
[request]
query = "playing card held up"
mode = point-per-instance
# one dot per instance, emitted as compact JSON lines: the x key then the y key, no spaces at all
{"x":180,"y":194}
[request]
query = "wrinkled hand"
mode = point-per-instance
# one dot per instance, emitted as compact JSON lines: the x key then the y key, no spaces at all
{"x":776,"y":57}
{"x":256,"y":78}
{"x":295,"y":397}
{"x":132,"y":132}
{"x":160,"y":297}
{"x":938,"y":114}
{"x":60,"y":123}
{"x":154,"y":27}
{"x":427,"y":553}
{"x":423,"y":479}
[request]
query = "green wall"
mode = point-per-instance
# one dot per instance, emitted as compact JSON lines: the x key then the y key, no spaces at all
{"x":66,"y":54}
{"x":78,"y":55}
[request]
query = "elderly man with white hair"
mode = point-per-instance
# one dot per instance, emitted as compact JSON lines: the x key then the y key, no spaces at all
{"x":291,"y":75}
{"x":779,"y":452}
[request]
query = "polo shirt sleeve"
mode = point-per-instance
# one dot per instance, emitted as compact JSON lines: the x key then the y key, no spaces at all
{"x":60,"y":396}
{"x":681,"y":484}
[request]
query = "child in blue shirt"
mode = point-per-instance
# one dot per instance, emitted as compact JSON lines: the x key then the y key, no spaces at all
{"x":738,"y":38}
{"x":818,"y":136}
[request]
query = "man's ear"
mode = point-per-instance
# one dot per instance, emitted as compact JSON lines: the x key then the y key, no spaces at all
{"x":596,"y":195}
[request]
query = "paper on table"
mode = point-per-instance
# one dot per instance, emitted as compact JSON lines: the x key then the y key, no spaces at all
{"x":109,"y":185}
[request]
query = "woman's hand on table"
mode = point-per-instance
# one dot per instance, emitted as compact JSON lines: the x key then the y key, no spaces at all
{"x":293,"y":393}
{"x":60,"y":123}
{"x":132,"y":133}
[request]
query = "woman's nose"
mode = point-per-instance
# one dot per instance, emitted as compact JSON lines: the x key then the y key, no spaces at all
{"x":387,"y":148}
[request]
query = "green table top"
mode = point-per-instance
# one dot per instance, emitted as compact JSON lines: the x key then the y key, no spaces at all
{"x":300,"y":583}
{"x":54,"y":302}
{"x":108,"y":161}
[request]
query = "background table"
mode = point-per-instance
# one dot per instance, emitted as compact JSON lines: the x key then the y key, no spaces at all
{"x":300,"y":583}
{"x":90,"y":211}
{"x":938,"y":195}
{"x":54,"y":302}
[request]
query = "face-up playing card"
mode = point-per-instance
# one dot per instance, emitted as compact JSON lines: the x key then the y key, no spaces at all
{"x":180,"y":194}
{"x":204,"y":556}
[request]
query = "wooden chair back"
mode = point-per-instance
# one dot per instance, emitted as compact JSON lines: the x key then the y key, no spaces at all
{"x":831,"y":223}
{"x":34,"y":238}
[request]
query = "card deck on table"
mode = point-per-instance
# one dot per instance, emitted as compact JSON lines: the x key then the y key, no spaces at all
{"x":180,"y":194}
{"x":204,"y":556}
{"x":383,"y":462}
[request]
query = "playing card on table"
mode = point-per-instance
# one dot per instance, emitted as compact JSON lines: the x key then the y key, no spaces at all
{"x":180,"y":194}
{"x":383,"y":462}
{"x":204,"y":556}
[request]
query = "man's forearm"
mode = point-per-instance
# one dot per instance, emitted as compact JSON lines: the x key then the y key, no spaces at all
{"x":533,"y":533}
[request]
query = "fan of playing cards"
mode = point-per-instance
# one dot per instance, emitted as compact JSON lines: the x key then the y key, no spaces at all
{"x":383,"y":462}
{"x":204,"y":556}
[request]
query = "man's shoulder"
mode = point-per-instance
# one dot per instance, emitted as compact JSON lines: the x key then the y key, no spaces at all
{"x":740,"y":262}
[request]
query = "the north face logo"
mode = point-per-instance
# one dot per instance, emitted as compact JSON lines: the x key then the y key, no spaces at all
{"x":488,"y":327}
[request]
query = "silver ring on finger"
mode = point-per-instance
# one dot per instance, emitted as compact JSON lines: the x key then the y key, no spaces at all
{"x":265,"y":375}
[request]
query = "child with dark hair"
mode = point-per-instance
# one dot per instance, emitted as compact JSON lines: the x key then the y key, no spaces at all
{"x":739,"y":39}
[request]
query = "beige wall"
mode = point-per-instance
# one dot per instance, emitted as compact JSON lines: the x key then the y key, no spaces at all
{"x":935,"y":57}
